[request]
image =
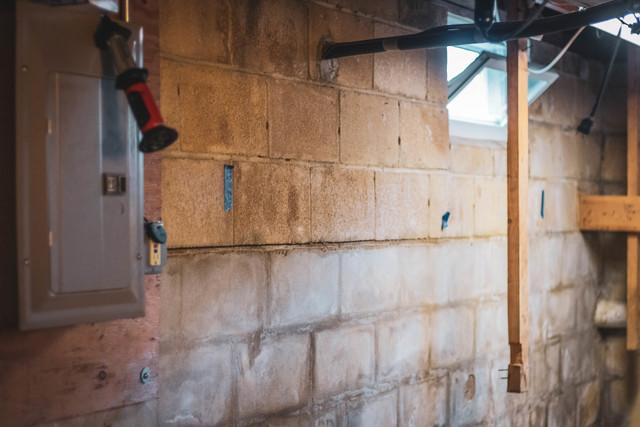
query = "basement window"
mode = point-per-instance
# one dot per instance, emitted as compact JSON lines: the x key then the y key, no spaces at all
{"x":477,"y":83}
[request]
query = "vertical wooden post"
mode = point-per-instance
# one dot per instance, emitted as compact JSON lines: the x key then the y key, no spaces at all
{"x":633,"y":179}
{"x":517,"y":206}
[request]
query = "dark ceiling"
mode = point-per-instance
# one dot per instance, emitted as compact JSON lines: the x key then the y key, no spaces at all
{"x":592,"y":43}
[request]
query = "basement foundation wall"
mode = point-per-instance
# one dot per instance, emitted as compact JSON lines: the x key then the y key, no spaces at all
{"x":320,"y":289}
{"x":330,"y":295}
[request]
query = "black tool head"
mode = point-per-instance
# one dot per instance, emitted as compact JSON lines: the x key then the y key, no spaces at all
{"x":157,"y":139}
{"x":107,"y":29}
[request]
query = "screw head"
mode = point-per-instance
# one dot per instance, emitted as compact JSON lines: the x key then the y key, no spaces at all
{"x":145,"y":375}
{"x":24,"y":68}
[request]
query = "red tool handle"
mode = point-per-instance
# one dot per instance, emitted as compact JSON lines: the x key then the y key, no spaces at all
{"x":143,"y":106}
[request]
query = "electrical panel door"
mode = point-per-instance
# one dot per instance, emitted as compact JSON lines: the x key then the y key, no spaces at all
{"x":79,"y":174}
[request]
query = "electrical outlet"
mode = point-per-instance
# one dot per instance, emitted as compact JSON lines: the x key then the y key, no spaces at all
{"x":155,"y":254}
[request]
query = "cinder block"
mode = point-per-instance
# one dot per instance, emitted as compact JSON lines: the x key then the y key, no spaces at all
{"x":424,"y":136}
{"x":274,"y":375}
{"x":470,"y":395}
{"x":612,"y":115}
{"x":508,"y":407}
{"x":537,"y":317}
{"x":271,"y":204}
{"x":401,"y":73}
{"x":422,"y":14}
{"x":193,"y":203}
{"x":472,"y":159}
{"x":560,"y":210}
{"x":448,"y":345}
{"x":491,"y":328}
{"x":304,"y":287}
{"x":561,"y":206}
{"x":614,"y":160}
{"x":303,"y":121}
{"x":402,"y":347}
{"x":553,"y":152}
{"x":455,"y":195}
{"x":402,"y":205}
{"x":270,"y":36}
{"x":287,"y":421}
{"x":195,"y":29}
{"x":369,"y":129}
{"x":561,"y":311}
{"x":491,"y":266}
{"x":428,"y":15}
{"x":380,"y":412}
{"x":500,"y":162}
{"x":445,"y":266}
{"x":617,"y":392}
{"x":196,"y":386}
{"x":344,"y":360}
{"x":216,"y":111}
{"x":546,"y":259}
{"x":415,"y":268}
{"x":544,"y":368}
{"x":561,"y":411}
{"x":369,"y":280}
{"x":328,"y":419}
{"x":171,"y":290}
{"x":559,"y":105}
{"x":580,"y":260}
{"x":437,"y":89}
{"x":616,"y":358}
{"x":378,"y":8}
{"x":342,"y":204}
{"x":589,"y":156}
{"x":491,"y":207}
{"x":586,"y":367}
{"x":424,"y":404}
{"x":214,"y":286}
{"x":589,"y":404}
{"x":332,"y":25}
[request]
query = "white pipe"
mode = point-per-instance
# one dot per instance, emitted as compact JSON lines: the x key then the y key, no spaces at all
{"x":610,"y":314}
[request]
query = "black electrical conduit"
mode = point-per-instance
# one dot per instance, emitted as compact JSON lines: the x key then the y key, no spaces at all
{"x":460,"y":34}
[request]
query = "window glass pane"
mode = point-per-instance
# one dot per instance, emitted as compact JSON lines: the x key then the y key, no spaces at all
{"x":497,"y":48}
{"x":458,"y":60}
{"x":483,"y":100}
{"x":536,"y":87}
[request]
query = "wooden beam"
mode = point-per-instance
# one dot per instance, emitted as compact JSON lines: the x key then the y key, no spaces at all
{"x":633,"y":95}
{"x":609,"y":213}
{"x":517,"y":205}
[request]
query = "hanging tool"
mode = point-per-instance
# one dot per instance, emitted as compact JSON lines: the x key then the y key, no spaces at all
{"x":113,"y":38}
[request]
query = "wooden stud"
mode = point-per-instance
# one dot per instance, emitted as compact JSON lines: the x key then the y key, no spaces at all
{"x":517,"y":205}
{"x":633,"y":330}
{"x":609,"y":213}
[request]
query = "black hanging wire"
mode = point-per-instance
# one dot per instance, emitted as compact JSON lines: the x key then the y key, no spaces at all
{"x":587,"y":123}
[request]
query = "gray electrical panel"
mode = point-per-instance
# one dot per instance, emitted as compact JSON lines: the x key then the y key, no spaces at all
{"x":79,"y":174}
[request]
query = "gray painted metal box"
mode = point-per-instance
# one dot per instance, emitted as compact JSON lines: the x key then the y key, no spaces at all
{"x":79,"y":174}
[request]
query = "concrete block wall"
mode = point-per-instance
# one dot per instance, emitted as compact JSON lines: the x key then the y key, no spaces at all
{"x":331,"y":294}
